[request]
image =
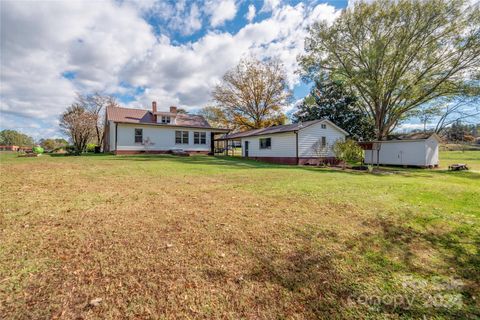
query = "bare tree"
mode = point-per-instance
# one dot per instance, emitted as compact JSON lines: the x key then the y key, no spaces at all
{"x":459,"y":109}
{"x":96,"y":104}
{"x":320,"y":149}
{"x":79,"y":124}
{"x":147,"y":143}
{"x":253,"y":93}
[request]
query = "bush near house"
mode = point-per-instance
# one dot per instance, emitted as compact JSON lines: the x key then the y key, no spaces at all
{"x":91,"y":147}
{"x":348,"y":151}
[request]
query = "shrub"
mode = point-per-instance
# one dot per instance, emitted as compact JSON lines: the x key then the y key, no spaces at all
{"x":348,"y":151}
{"x":71,"y":150}
{"x":38,"y":150}
{"x":91,"y":147}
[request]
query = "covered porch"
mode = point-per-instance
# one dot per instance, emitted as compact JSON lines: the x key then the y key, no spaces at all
{"x":224,"y":145}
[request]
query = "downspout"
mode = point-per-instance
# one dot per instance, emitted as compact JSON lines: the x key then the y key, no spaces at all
{"x":296,"y":146}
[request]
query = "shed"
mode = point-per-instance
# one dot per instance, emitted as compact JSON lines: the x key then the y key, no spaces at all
{"x":418,"y":149}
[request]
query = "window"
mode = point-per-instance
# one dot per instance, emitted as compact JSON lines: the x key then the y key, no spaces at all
{"x":199,"y":138}
{"x":181,"y":137}
{"x":265,"y":143}
{"x":324,"y":126}
{"x":165,"y":119}
{"x":324,"y":141}
{"x":138,"y":135}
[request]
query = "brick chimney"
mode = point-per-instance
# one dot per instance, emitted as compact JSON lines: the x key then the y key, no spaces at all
{"x":154,"y":110}
{"x":173,"y":109}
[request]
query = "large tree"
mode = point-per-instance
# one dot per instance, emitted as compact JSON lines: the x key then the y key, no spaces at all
{"x":96,"y":104}
{"x":79,"y":124}
{"x":216,"y":117}
{"x":330,"y":100}
{"x":15,"y":138}
{"x":253,"y":94}
{"x":398,"y":54}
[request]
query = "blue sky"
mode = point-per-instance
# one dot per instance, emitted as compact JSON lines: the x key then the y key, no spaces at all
{"x":173,"y":52}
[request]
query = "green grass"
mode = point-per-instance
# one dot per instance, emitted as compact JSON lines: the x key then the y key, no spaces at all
{"x":166,"y":237}
{"x":468,"y":157}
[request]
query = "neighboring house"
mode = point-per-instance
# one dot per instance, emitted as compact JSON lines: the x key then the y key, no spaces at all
{"x":300,"y":143}
{"x":129,"y":131}
{"x":15,"y":148}
{"x":9,"y":148}
{"x":416,"y":149}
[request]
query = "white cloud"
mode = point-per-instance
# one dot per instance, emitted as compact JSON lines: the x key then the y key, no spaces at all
{"x":220,"y":11}
{"x":251,"y":13}
{"x":109,"y":44}
{"x":270,"y":5}
{"x":193,"y":22}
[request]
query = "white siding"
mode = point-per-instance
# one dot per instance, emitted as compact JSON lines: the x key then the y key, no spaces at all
{"x":414,"y":153}
{"x":163,"y":138}
{"x":431,"y":145}
{"x":308,"y":136}
{"x":283,"y":145}
{"x":111,"y":135}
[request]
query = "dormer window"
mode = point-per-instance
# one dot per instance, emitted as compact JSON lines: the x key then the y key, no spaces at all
{"x":166,"y":119}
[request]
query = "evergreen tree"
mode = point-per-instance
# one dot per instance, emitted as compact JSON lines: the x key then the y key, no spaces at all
{"x":329,"y":99}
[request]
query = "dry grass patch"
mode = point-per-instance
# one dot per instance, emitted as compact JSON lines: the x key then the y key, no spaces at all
{"x":199,"y":237}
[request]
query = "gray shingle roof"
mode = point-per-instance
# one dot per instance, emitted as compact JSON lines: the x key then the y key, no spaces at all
{"x":272,"y":130}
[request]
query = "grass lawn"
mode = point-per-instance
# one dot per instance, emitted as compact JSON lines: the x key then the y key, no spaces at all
{"x":469,"y":157}
{"x":162,"y":237}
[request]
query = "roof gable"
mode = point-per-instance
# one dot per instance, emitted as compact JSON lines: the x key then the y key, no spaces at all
{"x":282,"y":128}
{"x":334,"y":126}
{"x":119,"y":114}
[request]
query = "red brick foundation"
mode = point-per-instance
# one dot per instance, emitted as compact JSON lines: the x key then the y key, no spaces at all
{"x":316,"y":161}
{"x":127,"y":152}
{"x":301,"y":161}
{"x":278,"y":160}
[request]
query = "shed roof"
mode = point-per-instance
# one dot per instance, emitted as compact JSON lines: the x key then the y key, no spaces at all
{"x":411,"y":137}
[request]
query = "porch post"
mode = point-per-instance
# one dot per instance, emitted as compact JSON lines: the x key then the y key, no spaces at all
{"x":212,"y":143}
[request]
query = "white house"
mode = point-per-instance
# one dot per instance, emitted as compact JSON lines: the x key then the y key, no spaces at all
{"x":129,"y":131}
{"x":300,"y":143}
{"x":409,"y":150}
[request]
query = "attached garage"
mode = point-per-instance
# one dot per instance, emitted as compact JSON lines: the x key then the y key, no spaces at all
{"x":418,"y":150}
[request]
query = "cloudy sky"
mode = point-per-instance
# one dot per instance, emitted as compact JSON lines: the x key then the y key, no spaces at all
{"x":173,"y":52}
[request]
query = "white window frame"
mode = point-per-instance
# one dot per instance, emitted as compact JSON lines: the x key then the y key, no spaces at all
{"x":324,"y":142}
{"x":266,"y":146}
{"x":166,"y":119}
{"x":184,"y":139}
{"x":135,"y":135}
{"x":199,"y":137}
